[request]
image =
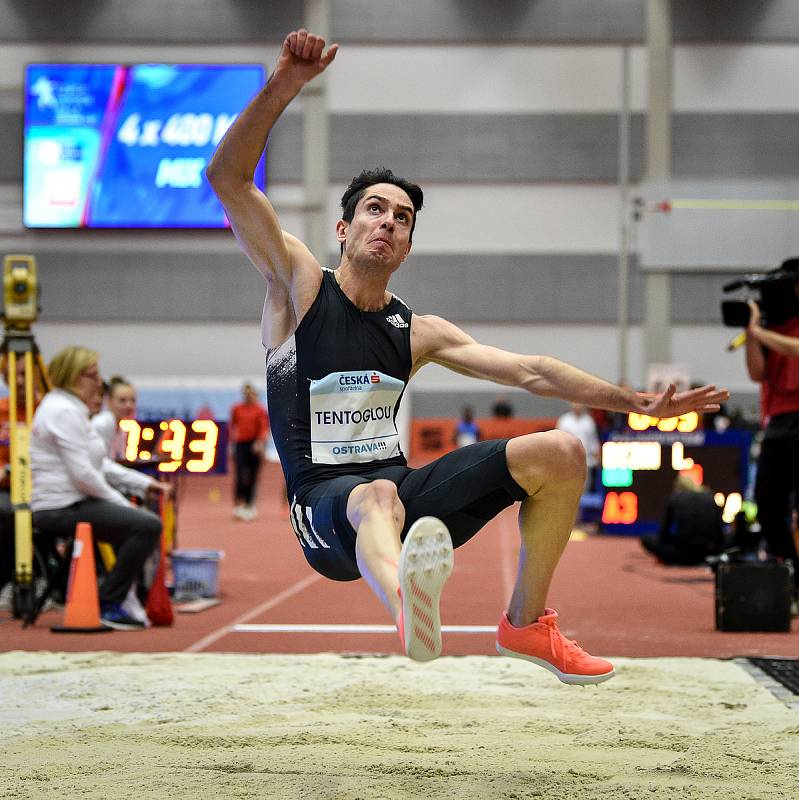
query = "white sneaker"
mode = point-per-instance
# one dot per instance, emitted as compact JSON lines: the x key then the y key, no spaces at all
{"x":425,"y":564}
{"x":7,"y":596}
{"x":251,"y":513}
{"x":239,"y":512}
{"x":132,"y":606}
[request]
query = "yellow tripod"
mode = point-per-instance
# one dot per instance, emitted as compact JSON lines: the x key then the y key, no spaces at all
{"x":19,"y":348}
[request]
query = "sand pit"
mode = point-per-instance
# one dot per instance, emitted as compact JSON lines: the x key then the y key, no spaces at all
{"x":113,"y":725}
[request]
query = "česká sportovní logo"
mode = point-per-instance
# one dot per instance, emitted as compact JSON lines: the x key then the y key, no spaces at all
{"x":352,"y":417}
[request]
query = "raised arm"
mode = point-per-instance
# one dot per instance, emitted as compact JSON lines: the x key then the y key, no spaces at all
{"x":755,"y":357}
{"x":758,"y":337}
{"x":434,"y":340}
{"x":282,"y":259}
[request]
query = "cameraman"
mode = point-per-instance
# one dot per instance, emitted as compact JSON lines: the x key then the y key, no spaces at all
{"x":772,"y":359}
{"x":786,"y":345}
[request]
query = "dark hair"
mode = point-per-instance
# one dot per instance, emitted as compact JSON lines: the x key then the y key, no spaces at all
{"x":369,"y":177}
{"x":111,"y":384}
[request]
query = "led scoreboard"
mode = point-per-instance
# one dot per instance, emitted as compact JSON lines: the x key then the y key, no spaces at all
{"x":172,"y":445}
{"x":126,"y":145}
{"x":640,"y":464}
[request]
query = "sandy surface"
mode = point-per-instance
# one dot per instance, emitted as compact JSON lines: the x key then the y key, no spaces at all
{"x":113,"y":725}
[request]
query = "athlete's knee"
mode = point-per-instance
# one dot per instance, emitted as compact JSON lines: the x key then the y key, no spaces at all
{"x":539,"y":459}
{"x":570,"y":456}
{"x":379,"y":496}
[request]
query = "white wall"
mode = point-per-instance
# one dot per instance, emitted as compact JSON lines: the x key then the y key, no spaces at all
{"x":459,"y":218}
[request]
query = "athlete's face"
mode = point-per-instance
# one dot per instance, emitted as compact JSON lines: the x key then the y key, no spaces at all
{"x":380,"y":229}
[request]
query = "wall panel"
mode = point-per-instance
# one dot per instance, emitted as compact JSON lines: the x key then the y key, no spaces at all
{"x":384,"y":21}
{"x":536,"y":288}
{"x":568,"y":148}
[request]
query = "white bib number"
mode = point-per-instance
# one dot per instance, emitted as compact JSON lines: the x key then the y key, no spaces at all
{"x":352,"y":417}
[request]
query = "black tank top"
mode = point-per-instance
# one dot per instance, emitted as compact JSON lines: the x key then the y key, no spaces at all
{"x":334,"y":388}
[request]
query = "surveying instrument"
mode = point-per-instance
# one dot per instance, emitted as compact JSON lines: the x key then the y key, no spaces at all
{"x":20,"y":293}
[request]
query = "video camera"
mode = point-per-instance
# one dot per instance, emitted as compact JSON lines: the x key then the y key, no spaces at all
{"x":777,"y":299}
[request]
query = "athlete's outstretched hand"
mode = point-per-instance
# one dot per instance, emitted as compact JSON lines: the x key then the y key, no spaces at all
{"x":672,"y":403}
{"x":303,"y":58}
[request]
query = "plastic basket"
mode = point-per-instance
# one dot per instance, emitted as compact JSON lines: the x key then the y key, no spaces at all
{"x":196,"y":573}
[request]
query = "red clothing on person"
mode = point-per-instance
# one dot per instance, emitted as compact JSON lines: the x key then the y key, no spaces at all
{"x":248,"y":422}
{"x":780,"y":388}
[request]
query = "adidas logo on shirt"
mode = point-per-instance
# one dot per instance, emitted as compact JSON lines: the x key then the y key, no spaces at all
{"x":397,"y":321}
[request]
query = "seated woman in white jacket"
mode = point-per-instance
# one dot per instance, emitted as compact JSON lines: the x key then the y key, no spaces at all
{"x":69,"y":486}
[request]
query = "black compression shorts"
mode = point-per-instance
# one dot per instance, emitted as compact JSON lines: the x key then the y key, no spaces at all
{"x":464,"y":489}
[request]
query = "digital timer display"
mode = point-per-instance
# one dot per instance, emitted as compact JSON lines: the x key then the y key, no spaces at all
{"x":687,"y":423}
{"x":173,"y":444}
{"x":639,"y":467}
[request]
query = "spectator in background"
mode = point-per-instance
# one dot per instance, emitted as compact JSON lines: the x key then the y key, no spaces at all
{"x":691,"y":528}
{"x":69,"y":486}
{"x":466,"y":430}
{"x":719,"y":421}
{"x":120,"y":400}
{"x":249,"y":425}
{"x":121,"y":404}
{"x":578,"y":422}
{"x":502,"y":409}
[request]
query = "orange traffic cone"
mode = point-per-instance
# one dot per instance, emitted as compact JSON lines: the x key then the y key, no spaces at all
{"x":82,"y":613}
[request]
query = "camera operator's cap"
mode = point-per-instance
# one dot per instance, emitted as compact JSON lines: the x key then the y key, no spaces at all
{"x":791,"y":265}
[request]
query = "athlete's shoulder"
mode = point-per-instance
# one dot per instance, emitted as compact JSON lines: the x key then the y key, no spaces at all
{"x":327,"y":292}
{"x":431,"y":324}
{"x":402,"y":305}
{"x":430,"y":332}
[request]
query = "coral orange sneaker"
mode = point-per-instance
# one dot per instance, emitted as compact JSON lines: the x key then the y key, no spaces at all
{"x":425,"y":564}
{"x":542,"y":643}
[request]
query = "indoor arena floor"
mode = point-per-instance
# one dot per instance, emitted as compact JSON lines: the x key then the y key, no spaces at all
{"x":262,"y":696}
